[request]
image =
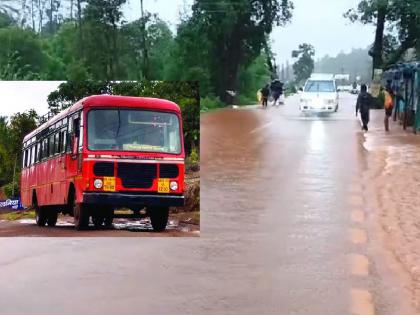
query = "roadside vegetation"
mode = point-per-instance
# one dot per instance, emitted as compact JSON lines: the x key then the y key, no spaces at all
{"x":17,"y":215}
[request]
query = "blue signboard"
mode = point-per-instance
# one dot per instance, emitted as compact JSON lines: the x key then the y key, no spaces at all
{"x":13,"y":203}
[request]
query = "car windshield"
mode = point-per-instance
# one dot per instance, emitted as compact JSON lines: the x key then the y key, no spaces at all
{"x":133,"y":130}
{"x":319,"y":86}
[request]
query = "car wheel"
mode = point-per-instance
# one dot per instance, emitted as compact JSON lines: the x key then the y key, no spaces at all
{"x":159,"y":218}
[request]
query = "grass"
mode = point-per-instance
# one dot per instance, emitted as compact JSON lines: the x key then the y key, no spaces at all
{"x":17,"y":215}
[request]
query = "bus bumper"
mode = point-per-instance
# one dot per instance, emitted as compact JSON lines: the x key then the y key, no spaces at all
{"x":127,"y":199}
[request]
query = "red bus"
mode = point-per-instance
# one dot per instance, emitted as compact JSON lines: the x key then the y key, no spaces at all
{"x":103,"y":153}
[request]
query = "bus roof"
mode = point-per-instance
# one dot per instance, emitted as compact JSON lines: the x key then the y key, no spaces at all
{"x":149,"y":103}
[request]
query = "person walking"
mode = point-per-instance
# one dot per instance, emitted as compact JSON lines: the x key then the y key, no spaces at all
{"x":388,"y":105}
{"x":276,"y":89}
{"x":265,"y":91}
{"x":364,"y":102}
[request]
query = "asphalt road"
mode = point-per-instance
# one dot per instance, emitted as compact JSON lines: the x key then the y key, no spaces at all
{"x":122,"y":227}
{"x":284,"y":230}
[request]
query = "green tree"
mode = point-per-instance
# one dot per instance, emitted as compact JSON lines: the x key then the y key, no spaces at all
{"x":402,"y":16}
{"x":11,"y":137}
{"x":24,"y":47}
{"x":235,"y":32}
{"x":304,"y":66}
{"x":190,"y":58}
{"x":160,"y":42}
{"x":6,"y":20}
{"x":102,"y":18}
{"x":20,"y":125}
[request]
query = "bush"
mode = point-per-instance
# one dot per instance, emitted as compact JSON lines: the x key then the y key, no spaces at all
{"x":246,"y":100}
{"x":193,"y":161}
{"x":8,"y":189}
{"x":210,"y":102}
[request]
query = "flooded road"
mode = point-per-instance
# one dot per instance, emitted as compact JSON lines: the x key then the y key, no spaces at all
{"x":285,"y":229}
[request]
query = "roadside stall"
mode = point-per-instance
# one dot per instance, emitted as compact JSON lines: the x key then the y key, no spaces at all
{"x":404,"y":80}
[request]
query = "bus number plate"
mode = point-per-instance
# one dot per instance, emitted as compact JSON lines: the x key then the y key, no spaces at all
{"x":163,"y":185}
{"x":109,"y":183}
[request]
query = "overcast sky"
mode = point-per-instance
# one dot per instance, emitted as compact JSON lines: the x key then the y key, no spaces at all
{"x":20,"y":96}
{"x":319,"y":23}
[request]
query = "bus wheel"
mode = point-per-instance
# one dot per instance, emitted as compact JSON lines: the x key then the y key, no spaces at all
{"x":52,"y":217}
{"x":158,"y":218}
{"x":41,"y":216}
{"x":109,"y":217}
{"x":97,"y":220}
{"x":81,"y":216}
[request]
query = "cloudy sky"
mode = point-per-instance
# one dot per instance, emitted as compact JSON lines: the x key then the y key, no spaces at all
{"x":20,"y":96}
{"x":319,"y":23}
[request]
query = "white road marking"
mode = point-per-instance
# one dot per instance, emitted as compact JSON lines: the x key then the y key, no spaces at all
{"x":261,"y":128}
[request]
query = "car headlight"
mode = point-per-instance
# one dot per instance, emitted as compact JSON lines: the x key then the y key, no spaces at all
{"x":173,"y":185}
{"x":97,"y":183}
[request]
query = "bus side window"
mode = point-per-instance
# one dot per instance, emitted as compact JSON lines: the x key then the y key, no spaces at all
{"x":32,"y":155}
{"x":38,"y":153}
{"x":45,"y":148}
{"x":63,"y":140}
{"x":35,"y":153}
{"x":51,"y":145}
{"x":29,"y":157}
{"x":24,"y":158}
{"x":57,"y":142}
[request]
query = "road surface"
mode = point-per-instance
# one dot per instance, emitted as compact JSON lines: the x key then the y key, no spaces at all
{"x":122,"y":227}
{"x":284,"y":230}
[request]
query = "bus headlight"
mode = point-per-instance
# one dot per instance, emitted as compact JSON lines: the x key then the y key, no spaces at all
{"x":98,"y":183}
{"x":173,"y":185}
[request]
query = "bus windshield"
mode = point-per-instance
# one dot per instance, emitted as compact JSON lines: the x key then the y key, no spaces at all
{"x":319,"y":86}
{"x":133,"y":130}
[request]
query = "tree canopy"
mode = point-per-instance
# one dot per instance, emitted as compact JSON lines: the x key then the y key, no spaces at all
{"x":397,"y":27}
{"x":304,"y":66}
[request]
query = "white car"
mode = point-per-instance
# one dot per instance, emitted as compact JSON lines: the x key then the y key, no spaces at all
{"x":319,"y":95}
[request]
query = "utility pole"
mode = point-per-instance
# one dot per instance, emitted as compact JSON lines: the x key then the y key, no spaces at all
{"x":145,"y":52}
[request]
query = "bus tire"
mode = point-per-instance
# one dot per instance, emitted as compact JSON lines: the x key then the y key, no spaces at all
{"x":52,"y":217}
{"x":97,"y":220}
{"x":158,"y":218}
{"x":41,"y":216}
{"x":109,"y":217}
{"x":81,"y":216}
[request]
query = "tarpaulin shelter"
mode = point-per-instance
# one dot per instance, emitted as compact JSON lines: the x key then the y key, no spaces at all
{"x":404,"y":79}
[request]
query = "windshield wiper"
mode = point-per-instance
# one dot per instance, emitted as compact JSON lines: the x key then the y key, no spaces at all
{"x":119,"y":124}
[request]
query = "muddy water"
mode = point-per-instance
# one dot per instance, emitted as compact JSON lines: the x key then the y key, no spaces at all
{"x":276,"y":201}
{"x":394,"y":160}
